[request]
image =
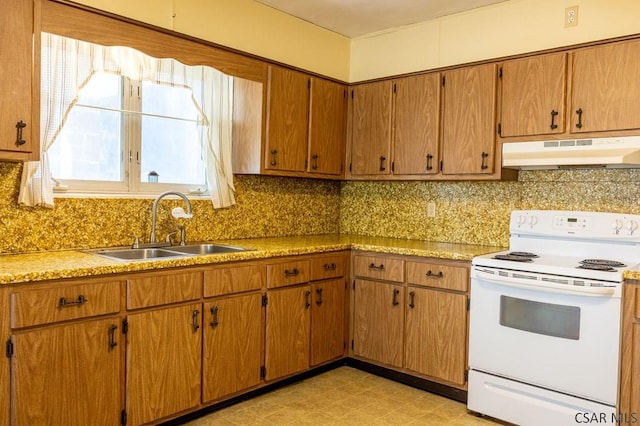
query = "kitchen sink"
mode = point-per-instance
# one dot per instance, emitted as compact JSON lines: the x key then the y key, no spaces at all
{"x":207,"y":249}
{"x":167,"y":252}
{"x":139,"y":254}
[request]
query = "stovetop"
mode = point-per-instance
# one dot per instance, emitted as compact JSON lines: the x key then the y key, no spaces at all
{"x":590,"y":245}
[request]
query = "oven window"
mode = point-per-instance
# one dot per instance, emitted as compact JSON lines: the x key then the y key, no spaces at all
{"x":540,"y":318}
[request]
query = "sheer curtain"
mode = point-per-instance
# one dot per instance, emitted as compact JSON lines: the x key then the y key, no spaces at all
{"x":67,"y":66}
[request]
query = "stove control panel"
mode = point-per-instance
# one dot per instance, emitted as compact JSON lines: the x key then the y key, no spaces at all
{"x":591,"y":225}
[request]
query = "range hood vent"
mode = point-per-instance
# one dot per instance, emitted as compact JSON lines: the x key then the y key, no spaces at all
{"x":614,"y":152}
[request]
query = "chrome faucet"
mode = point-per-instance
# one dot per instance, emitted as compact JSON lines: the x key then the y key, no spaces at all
{"x":154,"y":210}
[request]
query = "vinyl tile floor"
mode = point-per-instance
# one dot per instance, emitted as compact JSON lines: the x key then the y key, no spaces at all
{"x":345,"y":396}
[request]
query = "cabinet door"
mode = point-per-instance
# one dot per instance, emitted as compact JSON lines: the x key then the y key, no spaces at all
{"x":533,"y":100}
{"x":468,"y":141}
{"x":416,"y":129}
{"x":287,"y":337}
{"x":327,"y":127}
{"x":436,"y":334}
{"x":371,"y":128}
{"x":605,"y":87}
{"x":287,"y":118}
{"x":16,"y":56}
{"x":232,"y":351}
{"x":163,"y":362}
{"x":378,"y":318}
{"x":68,"y":375}
{"x":327,"y":321}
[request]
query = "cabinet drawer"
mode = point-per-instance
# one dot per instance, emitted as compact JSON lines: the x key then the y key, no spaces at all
{"x":379,"y":267}
{"x":42,"y":306}
{"x":290,"y":273}
{"x":237,"y":279}
{"x":163,"y":289}
{"x":438,"y":275}
{"x":327,"y":267}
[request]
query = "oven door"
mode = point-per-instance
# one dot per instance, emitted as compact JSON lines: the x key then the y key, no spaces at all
{"x":548,"y":337}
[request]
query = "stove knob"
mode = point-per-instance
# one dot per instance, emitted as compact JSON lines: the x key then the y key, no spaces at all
{"x":522,"y":220}
{"x":616,"y":225}
{"x":533,"y":220}
{"x":632,"y":225}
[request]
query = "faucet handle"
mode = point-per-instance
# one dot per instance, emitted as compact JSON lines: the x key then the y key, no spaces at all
{"x":183,"y":235}
{"x":168,"y":237}
{"x":136,"y":242}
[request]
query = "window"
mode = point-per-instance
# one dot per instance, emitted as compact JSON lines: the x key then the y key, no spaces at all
{"x":114,"y":120}
{"x":130,"y":136}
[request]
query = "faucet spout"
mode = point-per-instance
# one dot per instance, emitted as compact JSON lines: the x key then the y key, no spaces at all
{"x":154,"y":210}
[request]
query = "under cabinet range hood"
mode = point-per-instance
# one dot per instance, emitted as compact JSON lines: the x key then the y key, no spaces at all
{"x":611,"y":152}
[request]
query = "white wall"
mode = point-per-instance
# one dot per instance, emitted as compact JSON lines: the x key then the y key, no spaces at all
{"x":502,"y":29}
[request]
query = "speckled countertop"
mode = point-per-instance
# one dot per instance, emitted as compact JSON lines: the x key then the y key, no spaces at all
{"x":33,"y":267}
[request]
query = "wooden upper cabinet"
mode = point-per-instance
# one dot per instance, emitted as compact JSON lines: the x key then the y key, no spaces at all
{"x":605,"y":88}
{"x":287,"y":118}
{"x":469,"y":117}
{"x":533,"y":95}
{"x":327,"y":127}
{"x":371,"y":128}
{"x":20,"y":80}
{"x":417,"y":107}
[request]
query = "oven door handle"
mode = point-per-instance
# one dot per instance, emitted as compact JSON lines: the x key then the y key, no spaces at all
{"x":544,"y":286}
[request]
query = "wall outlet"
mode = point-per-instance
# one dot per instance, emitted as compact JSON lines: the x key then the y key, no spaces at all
{"x":431,"y":209}
{"x":571,"y":16}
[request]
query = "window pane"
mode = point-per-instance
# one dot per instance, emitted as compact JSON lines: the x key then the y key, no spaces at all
{"x":171,"y":143}
{"x":89,"y":144}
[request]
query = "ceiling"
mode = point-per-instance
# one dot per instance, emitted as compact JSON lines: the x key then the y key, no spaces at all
{"x":354,"y":18}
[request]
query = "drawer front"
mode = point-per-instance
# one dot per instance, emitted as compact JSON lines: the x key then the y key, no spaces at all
{"x":163,"y":289}
{"x":327,"y":267}
{"x":43,"y":306}
{"x":379,"y":267}
{"x":289,"y":273}
{"x":438,"y":275}
{"x":237,"y":279}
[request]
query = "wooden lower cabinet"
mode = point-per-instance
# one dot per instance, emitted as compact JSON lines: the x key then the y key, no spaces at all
{"x":630,"y":347}
{"x":164,"y":359}
{"x":287,"y":331}
{"x":77,"y":383}
{"x":435,"y":334}
{"x":327,"y":321}
{"x":232,"y":347}
{"x":378,"y":322}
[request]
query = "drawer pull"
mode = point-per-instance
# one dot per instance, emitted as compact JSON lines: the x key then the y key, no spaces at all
{"x":330,"y":266}
{"x":379,"y":268}
{"x":64,"y":303}
{"x":294,"y":273}
{"x":194,"y":318}
{"x":214,"y":313}
{"x":319,"y":293}
{"x":412,"y":296}
{"x":112,"y":336}
{"x":430,"y":274}
{"x":396,"y":292}
{"x":307,"y":296}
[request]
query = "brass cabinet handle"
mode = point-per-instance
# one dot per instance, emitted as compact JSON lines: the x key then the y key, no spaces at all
{"x":274,"y":157}
{"x":395,"y":302}
{"x":429,"y":158}
{"x":319,"y":293}
{"x":112,"y":336}
{"x":307,"y":296}
{"x":554,"y":113}
{"x":64,"y":303}
{"x":314,"y":163}
{"x":483,"y":166}
{"x":196,"y":323}
{"x":291,"y":273}
{"x":19,"y":126}
{"x":412,"y":295}
{"x":379,"y":268}
{"x":382,"y":160}
{"x":330,"y":266}
{"x":214,"y":313}
{"x":430,"y":274}
{"x":579,"y":123}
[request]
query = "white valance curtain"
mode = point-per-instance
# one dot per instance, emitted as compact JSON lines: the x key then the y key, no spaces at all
{"x":67,"y":66}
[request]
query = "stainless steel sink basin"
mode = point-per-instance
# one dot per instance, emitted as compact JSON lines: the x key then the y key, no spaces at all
{"x":206,"y":249}
{"x":139,"y":254}
{"x":167,"y":252}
